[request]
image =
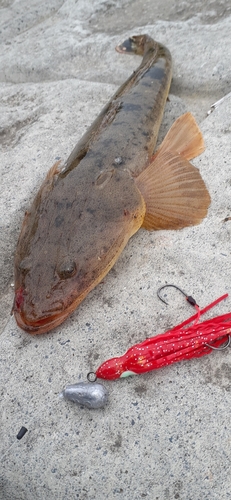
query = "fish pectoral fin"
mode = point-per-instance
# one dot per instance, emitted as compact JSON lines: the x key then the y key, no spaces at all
{"x":184,"y":137}
{"x":174,"y":192}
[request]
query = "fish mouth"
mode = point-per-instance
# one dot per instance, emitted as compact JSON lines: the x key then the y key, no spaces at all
{"x":48,"y":320}
{"x":40,"y":323}
{"x":39,"y":326}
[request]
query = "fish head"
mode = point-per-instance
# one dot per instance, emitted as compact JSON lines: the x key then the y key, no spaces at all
{"x":70,"y":239}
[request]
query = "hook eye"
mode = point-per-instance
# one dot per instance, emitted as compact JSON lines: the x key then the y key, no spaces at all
{"x":91,"y":377}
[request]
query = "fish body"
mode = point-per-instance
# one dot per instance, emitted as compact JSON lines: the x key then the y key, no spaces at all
{"x":111,"y":185}
{"x":91,"y":395}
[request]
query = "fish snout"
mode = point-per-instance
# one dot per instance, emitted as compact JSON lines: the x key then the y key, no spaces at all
{"x":33,"y":319}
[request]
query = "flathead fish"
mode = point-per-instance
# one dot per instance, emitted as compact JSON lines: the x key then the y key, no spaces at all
{"x":110,"y":186}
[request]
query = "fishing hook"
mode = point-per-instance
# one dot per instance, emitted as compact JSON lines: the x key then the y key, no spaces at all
{"x":190,"y":299}
{"x":222,"y":347}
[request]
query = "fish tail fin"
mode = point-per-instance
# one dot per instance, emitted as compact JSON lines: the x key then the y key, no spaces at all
{"x":184,"y":137}
{"x":173,"y":189}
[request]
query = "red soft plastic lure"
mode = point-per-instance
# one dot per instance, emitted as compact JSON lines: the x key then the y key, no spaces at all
{"x":172,"y":346}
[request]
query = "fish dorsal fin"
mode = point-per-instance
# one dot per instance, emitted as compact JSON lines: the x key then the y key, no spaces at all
{"x":184,"y":137}
{"x":173,"y":189}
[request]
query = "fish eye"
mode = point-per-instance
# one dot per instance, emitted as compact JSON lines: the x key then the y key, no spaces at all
{"x":67,"y":270}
